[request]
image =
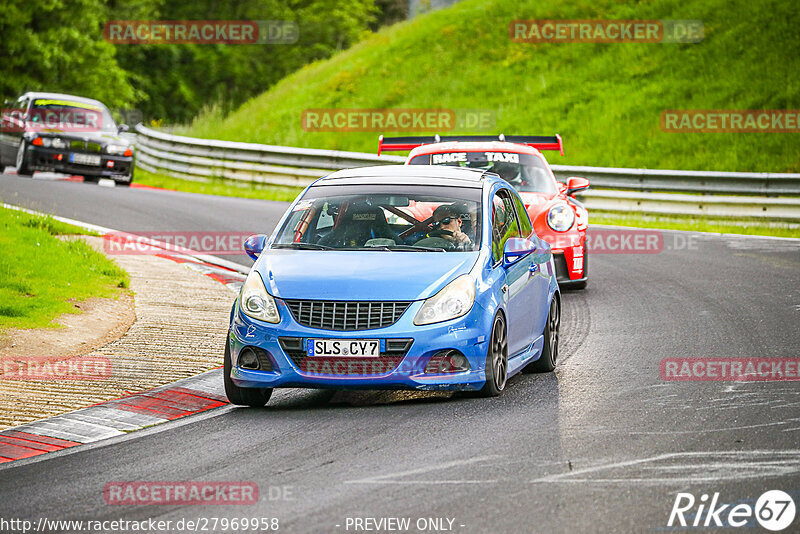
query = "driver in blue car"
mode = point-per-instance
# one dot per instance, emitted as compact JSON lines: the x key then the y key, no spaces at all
{"x":447,"y":222}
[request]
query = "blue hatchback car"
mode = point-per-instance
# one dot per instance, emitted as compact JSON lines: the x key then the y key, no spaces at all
{"x":420,"y":277}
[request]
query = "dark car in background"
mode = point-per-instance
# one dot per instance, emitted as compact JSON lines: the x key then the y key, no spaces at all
{"x":64,"y":133}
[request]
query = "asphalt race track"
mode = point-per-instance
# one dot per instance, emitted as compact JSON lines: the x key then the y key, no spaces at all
{"x":603,"y":444}
{"x":143,"y":210}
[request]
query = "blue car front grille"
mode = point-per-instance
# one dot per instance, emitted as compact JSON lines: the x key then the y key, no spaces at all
{"x":346,"y":315}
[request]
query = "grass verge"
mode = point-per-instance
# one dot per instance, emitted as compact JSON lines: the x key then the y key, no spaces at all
{"x":747,"y":226}
{"x":219,"y":186}
{"x":40,"y":274}
{"x":605,"y":99}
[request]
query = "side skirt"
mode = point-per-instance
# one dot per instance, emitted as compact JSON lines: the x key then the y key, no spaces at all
{"x":531,"y":353}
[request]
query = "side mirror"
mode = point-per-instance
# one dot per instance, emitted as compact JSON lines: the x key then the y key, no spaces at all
{"x":575,"y":184}
{"x":122,"y":128}
{"x":517,"y":247}
{"x":254,"y":245}
{"x":543,"y":252}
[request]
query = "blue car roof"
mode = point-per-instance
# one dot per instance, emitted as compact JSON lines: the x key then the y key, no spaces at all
{"x":408,"y":175}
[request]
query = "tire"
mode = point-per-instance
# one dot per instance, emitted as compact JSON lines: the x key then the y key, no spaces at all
{"x":547,"y":361}
{"x":23,"y":165}
{"x":121,"y":183}
{"x":91,"y":179}
{"x":496,"y":359}
{"x":242,"y":396}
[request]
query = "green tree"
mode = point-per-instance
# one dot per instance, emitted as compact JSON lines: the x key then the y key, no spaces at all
{"x":57,"y":45}
{"x":178,"y":80}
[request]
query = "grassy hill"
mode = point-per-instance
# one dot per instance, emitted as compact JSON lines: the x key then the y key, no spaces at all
{"x":604,"y":99}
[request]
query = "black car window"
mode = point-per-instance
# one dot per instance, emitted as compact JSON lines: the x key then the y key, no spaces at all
{"x":68,"y":114}
{"x":21,"y":105}
{"x":525,"y":172}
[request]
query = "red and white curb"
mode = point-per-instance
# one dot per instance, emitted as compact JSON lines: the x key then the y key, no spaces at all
{"x":114,"y":418}
{"x":118,"y":417}
{"x":232,"y":279}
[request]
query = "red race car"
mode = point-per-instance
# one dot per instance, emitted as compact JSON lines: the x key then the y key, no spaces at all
{"x":557,"y":216}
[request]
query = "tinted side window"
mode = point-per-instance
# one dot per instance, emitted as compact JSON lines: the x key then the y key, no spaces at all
{"x":525,"y":227}
{"x":421,"y":160}
{"x":504,"y":223}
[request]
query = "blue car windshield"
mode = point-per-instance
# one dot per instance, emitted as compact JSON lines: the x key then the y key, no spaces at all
{"x":384,"y":218}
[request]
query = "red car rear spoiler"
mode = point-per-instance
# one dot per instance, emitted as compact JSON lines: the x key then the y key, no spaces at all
{"x":539,"y":142}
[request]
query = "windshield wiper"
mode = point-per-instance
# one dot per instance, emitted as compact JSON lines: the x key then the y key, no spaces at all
{"x":301,"y":246}
{"x":403,"y":248}
{"x":416,"y":248}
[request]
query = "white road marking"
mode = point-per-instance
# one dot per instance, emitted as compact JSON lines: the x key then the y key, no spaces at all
{"x":704,"y":431}
{"x":710,"y":466}
{"x":385,"y":479}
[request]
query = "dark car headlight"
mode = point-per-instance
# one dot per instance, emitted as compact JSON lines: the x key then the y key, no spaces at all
{"x":48,"y":142}
{"x":118,"y":150}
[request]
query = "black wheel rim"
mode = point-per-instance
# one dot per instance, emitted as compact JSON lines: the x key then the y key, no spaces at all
{"x":499,"y":353}
{"x":554,"y":323}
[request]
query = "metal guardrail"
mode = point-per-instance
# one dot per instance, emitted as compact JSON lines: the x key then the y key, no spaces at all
{"x":709,"y":182}
{"x":728,"y":194}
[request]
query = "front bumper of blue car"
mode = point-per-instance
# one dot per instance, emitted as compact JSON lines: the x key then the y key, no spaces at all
{"x":411,"y":356}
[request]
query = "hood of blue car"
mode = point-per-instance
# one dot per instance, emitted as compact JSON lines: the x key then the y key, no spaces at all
{"x":360,"y":275}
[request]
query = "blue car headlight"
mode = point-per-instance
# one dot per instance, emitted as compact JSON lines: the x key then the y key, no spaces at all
{"x":560,"y":217}
{"x":256,"y":302}
{"x":454,"y":300}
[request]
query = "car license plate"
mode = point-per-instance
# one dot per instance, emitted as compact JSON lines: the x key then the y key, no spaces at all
{"x":360,"y":348}
{"x":84,"y":159}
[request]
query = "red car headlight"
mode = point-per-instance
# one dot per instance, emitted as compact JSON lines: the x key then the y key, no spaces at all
{"x":560,"y":218}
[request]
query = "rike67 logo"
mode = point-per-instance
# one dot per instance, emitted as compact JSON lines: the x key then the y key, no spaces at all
{"x":774,"y":510}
